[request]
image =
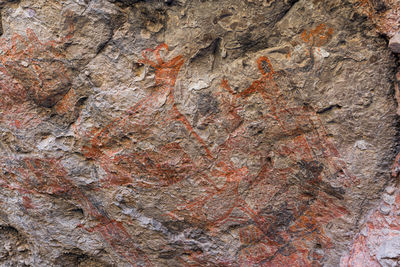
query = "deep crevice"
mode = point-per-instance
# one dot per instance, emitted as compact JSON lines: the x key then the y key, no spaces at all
{"x":329,"y":108}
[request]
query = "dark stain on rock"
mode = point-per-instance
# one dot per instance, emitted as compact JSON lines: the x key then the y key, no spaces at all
{"x":207,"y":104}
{"x":379,"y":5}
{"x":309,"y":171}
{"x":337,"y":192}
{"x":76,"y":257}
{"x":210,"y":49}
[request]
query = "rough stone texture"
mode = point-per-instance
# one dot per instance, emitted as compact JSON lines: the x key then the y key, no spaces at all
{"x":195,"y":133}
{"x":394,"y":43}
{"x":384,"y":13}
{"x":377,"y":243}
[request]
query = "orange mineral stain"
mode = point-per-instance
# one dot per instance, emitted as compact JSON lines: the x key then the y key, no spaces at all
{"x":318,"y":36}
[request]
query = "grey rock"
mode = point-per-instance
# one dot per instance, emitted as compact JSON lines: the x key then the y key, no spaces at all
{"x":190,"y":133}
{"x":385,"y":209}
{"x":394,"y":43}
{"x":389,"y":252}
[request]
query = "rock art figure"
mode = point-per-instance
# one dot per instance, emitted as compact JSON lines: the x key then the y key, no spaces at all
{"x":147,"y":165}
{"x":32,"y":71}
{"x":300,"y":140}
{"x":46,"y":176}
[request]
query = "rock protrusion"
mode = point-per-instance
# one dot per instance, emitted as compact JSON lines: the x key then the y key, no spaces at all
{"x":394,"y":43}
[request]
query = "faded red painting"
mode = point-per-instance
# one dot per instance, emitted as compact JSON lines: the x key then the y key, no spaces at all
{"x":281,"y":207}
{"x":377,"y":242}
{"x":32,"y":72}
{"x":35,"y":73}
{"x":47,"y":176}
{"x":278,"y":204}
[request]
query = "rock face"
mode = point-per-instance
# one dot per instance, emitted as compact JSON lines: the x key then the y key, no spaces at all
{"x":394,"y":43}
{"x":197,"y":133}
{"x":377,"y":243}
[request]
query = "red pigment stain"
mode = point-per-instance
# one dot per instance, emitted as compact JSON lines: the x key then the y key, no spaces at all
{"x":264,"y":243}
{"x":67,"y":103}
{"x":30,"y":70}
{"x":27,"y":202}
{"x":318,"y":36}
{"x":156,"y":165}
{"x":47,"y":176}
{"x":378,"y":228}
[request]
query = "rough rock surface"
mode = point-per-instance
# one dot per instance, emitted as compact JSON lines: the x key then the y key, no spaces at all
{"x":198,"y":133}
{"x":377,"y":243}
{"x":394,"y":43}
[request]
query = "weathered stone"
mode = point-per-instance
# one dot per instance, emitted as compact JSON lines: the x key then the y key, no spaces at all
{"x":389,"y":252}
{"x":394,"y":43}
{"x":385,"y":209}
{"x":390,"y":190}
{"x":196,"y":133}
